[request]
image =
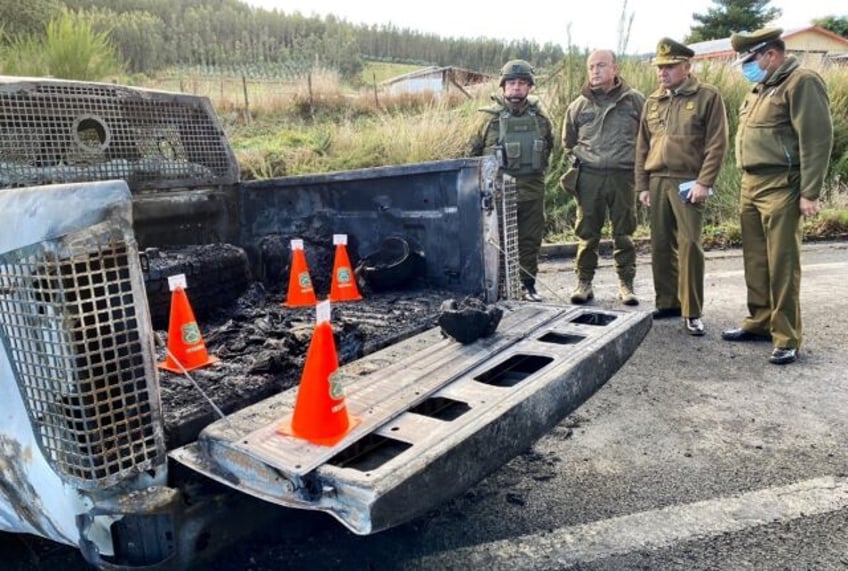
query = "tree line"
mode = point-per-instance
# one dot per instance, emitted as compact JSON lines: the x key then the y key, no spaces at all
{"x":150,"y":35}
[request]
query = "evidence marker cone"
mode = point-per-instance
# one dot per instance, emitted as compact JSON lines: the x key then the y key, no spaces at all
{"x":343,"y":287}
{"x":320,"y":414}
{"x":300,"y":293}
{"x":185,"y":343}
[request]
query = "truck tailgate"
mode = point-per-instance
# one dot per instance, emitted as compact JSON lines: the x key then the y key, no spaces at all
{"x":436,"y":416}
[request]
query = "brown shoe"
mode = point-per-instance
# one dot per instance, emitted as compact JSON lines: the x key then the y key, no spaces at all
{"x":583,"y":292}
{"x":625,"y":293}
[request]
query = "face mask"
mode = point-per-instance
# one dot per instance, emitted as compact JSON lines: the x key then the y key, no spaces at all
{"x":753,"y":72}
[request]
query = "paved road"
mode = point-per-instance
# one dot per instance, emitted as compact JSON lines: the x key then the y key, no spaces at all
{"x":698,"y":454}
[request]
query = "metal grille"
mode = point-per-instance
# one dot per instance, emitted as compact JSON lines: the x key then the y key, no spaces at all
{"x":69,"y":321}
{"x":55,"y":131}
{"x":509,"y":286}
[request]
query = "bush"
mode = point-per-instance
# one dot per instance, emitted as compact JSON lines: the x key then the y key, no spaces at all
{"x":70,"y":49}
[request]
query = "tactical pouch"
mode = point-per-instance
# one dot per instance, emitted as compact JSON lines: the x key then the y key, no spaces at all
{"x":513,"y":155}
{"x":538,"y":149}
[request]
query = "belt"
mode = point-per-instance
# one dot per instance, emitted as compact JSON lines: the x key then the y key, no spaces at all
{"x":775,"y":169}
{"x":593,"y":169}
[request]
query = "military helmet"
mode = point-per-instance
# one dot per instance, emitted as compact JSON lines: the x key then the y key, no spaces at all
{"x":517,"y":69}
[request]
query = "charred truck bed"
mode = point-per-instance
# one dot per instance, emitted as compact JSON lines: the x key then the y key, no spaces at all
{"x":108,"y":191}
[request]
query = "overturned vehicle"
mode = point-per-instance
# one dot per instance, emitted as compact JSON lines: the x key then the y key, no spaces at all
{"x":108,"y":191}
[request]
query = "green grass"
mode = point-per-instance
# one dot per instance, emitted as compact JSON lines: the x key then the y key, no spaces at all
{"x":381,"y":71}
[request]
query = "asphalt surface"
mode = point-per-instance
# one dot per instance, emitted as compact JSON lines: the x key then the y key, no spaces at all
{"x":697,"y":454}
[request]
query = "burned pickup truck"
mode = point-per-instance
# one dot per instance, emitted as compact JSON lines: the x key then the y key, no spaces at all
{"x":106,"y":191}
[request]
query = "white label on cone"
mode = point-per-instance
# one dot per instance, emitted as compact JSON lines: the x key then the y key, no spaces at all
{"x":322,"y":311}
{"x":339,"y":239}
{"x":177,"y":281}
{"x":297,"y":244}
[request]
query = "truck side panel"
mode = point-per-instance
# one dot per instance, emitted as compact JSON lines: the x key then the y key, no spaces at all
{"x":436,"y":206}
{"x":53,"y":333}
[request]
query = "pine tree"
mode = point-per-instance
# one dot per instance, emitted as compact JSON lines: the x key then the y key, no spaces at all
{"x":731,"y":16}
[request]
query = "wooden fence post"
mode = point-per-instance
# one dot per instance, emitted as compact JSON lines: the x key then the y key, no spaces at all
{"x":309,"y":86}
{"x":246,"y":102}
{"x":376,"y":99}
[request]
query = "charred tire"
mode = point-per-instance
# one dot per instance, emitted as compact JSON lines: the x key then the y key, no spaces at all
{"x":216,"y":275}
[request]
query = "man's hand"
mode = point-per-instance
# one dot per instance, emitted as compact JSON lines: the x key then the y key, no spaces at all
{"x":699,"y":193}
{"x":645,"y":197}
{"x":810,"y":207}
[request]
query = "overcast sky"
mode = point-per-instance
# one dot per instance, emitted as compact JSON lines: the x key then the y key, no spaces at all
{"x":594,"y":24}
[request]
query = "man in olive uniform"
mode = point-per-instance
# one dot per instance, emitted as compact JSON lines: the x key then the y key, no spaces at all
{"x":599,"y":140}
{"x":783,"y":147}
{"x":679,"y":151}
{"x":519,"y":133}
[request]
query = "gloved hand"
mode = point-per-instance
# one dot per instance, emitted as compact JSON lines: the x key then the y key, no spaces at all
{"x":468,"y":320}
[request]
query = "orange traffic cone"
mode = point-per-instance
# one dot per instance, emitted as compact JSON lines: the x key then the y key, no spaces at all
{"x":320,"y":414}
{"x":185,"y":343}
{"x":300,"y":292}
{"x":343,"y":287}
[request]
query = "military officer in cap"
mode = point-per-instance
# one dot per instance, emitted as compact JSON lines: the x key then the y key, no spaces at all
{"x":783,"y":146}
{"x":517,"y":130}
{"x":680,"y":147}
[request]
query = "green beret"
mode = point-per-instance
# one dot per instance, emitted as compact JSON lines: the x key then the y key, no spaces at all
{"x":747,"y":44}
{"x":670,"y":52}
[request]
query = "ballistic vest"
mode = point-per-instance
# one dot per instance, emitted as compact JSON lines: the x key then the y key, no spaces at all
{"x":522,"y":141}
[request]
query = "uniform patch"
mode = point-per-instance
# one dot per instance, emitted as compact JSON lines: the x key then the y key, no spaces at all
{"x":690,"y":105}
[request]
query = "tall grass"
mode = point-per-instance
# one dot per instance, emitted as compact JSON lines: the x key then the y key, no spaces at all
{"x":70,"y":49}
{"x":330,"y":127}
{"x":360,"y":133}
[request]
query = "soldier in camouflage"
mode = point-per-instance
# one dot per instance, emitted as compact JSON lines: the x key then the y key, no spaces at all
{"x":783,"y":147}
{"x":517,"y":131}
{"x":679,"y":152}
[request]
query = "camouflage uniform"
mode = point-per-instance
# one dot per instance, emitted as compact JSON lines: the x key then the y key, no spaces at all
{"x":599,"y":134}
{"x":510,"y":129}
{"x":682,"y":137}
{"x":783,"y":147}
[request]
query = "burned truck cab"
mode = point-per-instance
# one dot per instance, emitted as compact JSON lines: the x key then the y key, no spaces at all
{"x":102,"y":187}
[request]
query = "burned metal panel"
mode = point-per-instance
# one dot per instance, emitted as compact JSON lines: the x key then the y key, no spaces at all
{"x":394,"y":390}
{"x":438,"y":206}
{"x":56,"y":131}
{"x":438,"y":416}
{"x":76,"y":341}
{"x":186,"y":217}
{"x":34,"y":498}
